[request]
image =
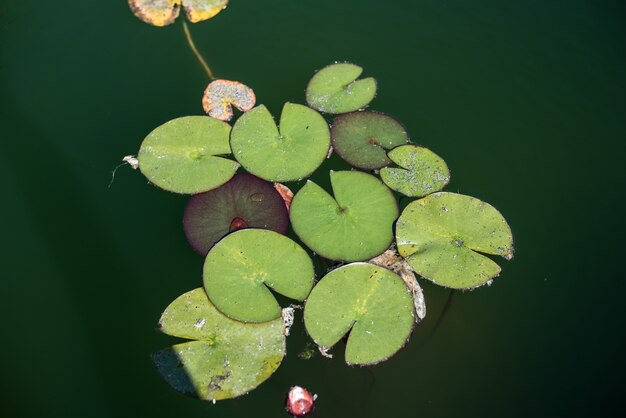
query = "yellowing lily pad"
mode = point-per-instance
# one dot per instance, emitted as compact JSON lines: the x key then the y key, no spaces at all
{"x":421,"y":171}
{"x":240,"y":270}
{"x":228,"y":358}
{"x":335,"y":89}
{"x":442,"y":235}
{"x":370,"y":303}
{"x":355,"y":225}
{"x":288,"y":154}
{"x":187,"y":155}
{"x":165,"y":12}
{"x":221,"y":95}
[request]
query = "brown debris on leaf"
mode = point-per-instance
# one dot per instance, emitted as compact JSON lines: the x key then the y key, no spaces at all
{"x":391,"y":260}
{"x":285,"y":192}
{"x":221,"y":95}
{"x":165,"y":12}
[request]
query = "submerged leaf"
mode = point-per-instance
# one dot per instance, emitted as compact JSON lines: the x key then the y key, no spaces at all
{"x":370,"y":303}
{"x":229,"y":359}
{"x":245,"y":201}
{"x":221,"y":95}
{"x":240,"y":270}
{"x":362,"y":138}
{"x":442,"y":234}
{"x":165,"y":12}
{"x":184,"y":155}
{"x":290,"y":154}
{"x":422,"y":171}
{"x":335,"y":89}
{"x":355,"y":225}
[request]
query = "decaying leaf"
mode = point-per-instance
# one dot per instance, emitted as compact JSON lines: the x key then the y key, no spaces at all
{"x":221,"y":95}
{"x":392,"y":260}
{"x":165,"y":12}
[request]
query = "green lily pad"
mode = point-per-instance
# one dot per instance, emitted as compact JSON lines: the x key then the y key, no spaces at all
{"x":355,"y":225}
{"x":184,"y":155}
{"x":370,"y":302}
{"x":245,"y":201}
{"x":228,"y":359}
{"x":290,"y":154}
{"x":240,"y":270}
{"x":441,"y":236}
{"x":335,"y":89}
{"x":165,"y":12}
{"x":422,"y":171}
{"x":362,"y":138}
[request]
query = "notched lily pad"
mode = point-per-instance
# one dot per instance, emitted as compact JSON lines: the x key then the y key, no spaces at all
{"x":335,"y":89}
{"x":228,"y":358}
{"x":288,"y":154}
{"x":165,"y":12}
{"x":363,"y":138}
{"x":442,"y":234}
{"x":240,"y":270}
{"x":221,"y":95}
{"x":370,"y":302}
{"x":185,"y":155}
{"x":245,"y":201}
{"x":355,"y":225}
{"x":421,"y":171}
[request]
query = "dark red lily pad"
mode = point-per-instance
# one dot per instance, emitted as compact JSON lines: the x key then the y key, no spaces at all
{"x":245,"y":201}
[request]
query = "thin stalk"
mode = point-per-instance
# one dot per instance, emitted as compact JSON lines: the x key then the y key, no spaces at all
{"x":192,"y":45}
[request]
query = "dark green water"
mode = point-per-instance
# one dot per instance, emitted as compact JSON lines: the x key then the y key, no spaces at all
{"x":525,"y":100}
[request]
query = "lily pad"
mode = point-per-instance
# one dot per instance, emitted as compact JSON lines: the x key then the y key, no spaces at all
{"x":362,"y":138}
{"x":245,"y":201}
{"x":165,"y":12}
{"x":442,"y":234}
{"x":335,"y":89}
{"x":240,"y":270}
{"x":355,"y":225}
{"x":370,"y":302}
{"x":422,"y":171}
{"x":290,"y":154}
{"x":185,"y":155}
{"x":228,"y":359}
{"x":221,"y":95}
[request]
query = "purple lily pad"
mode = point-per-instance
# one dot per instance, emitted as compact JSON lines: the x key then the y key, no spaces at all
{"x":245,"y":201}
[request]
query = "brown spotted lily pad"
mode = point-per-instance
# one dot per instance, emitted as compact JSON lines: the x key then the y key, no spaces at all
{"x":221,"y":95}
{"x":165,"y":12}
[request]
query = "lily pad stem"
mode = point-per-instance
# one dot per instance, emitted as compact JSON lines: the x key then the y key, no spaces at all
{"x":192,"y":45}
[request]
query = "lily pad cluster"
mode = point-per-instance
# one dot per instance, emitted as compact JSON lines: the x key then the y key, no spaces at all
{"x":257,"y":242}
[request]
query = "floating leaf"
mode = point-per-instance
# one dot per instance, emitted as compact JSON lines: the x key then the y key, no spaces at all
{"x":183,"y":155}
{"x":335,"y":89}
{"x":230,"y":359}
{"x":199,"y":10}
{"x":441,"y":234}
{"x":165,"y":12}
{"x":245,"y":201}
{"x":221,"y":95}
{"x":290,"y":154}
{"x":362,"y":138}
{"x":240,"y":270}
{"x":355,"y":225}
{"x":422,"y":171}
{"x":370,"y":302}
